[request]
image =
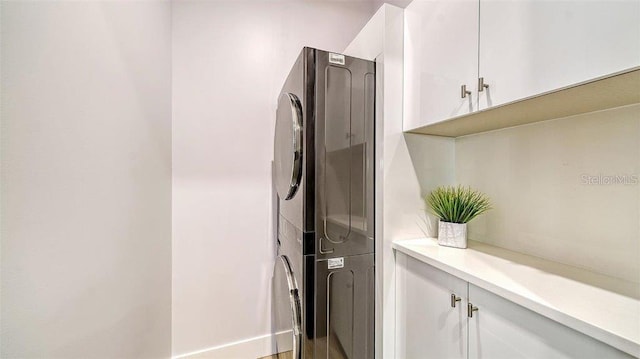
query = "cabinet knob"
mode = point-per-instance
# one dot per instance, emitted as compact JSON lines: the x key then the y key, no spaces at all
{"x":482,"y":85}
{"x":454,"y":299}
{"x":464,"y":92}
{"x":470,"y":309}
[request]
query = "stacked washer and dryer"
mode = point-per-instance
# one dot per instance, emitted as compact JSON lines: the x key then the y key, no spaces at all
{"x":323,"y":280}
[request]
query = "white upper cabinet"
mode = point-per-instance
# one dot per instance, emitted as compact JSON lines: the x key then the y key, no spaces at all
{"x":528,"y":47}
{"x":520,"y":48}
{"x":441,"y":55}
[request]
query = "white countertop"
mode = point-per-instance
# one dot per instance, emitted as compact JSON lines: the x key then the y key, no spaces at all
{"x":597,"y":305}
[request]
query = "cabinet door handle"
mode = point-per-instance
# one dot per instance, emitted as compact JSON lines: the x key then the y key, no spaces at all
{"x":470,"y":310}
{"x":464,"y":92}
{"x":481,"y":84}
{"x":454,"y":299}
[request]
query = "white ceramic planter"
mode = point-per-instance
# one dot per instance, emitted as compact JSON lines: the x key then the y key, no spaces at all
{"x":452,"y":234}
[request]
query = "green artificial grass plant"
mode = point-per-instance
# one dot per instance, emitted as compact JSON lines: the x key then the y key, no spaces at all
{"x":457,"y":204}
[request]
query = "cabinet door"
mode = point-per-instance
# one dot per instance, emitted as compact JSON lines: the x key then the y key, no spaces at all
{"x":427,"y":325}
{"x":441,"y":55}
{"x":503,"y":329}
{"x":528,"y":47}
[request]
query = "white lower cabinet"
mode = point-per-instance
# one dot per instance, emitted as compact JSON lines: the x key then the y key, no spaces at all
{"x":429,"y":327}
{"x":501,"y":329}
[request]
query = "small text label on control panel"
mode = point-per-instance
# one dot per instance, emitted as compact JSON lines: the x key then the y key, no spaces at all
{"x":336,"y":58}
{"x":335,"y":263}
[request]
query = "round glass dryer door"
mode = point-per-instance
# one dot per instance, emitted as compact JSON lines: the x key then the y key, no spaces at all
{"x":287,"y":152}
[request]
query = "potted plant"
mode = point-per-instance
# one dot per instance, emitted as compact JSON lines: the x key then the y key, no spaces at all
{"x":455,"y":207}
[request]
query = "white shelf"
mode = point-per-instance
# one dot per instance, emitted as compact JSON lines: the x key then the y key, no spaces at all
{"x":616,"y":90}
{"x":603,"y":307}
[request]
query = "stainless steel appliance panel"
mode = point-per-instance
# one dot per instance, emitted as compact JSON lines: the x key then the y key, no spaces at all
{"x":288,"y":288}
{"x":345,"y":95}
{"x":293,"y":143}
{"x":344,"y":309}
{"x":328,"y":212}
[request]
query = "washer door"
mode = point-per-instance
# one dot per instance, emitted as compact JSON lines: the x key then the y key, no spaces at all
{"x":288,"y":315}
{"x":287,"y":152}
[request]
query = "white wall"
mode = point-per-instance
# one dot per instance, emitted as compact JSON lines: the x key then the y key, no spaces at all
{"x":406,"y":164}
{"x":382,"y":40}
{"x":542,"y":206}
{"x":230,"y":59}
{"x":398,"y":3}
{"x":86,"y":179}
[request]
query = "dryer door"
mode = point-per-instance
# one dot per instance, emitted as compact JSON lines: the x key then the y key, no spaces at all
{"x":287,"y":152}
{"x":287,"y":308}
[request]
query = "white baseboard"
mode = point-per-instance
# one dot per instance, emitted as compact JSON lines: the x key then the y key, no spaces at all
{"x":251,"y":348}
